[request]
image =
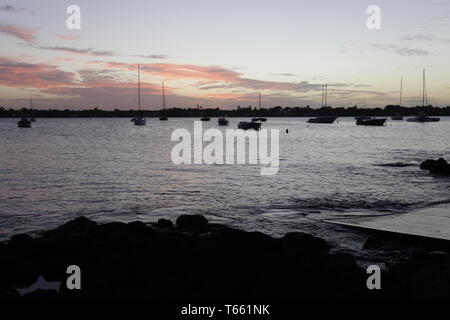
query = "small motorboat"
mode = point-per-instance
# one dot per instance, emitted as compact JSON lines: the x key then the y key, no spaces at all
{"x":205,"y":119}
{"x":371,"y":122}
{"x":163,"y":118}
{"x":140,"y":121}
{"x":322,"y":119}
{"x":24,"y":123}
{"x":363,"y":118}
{"x":245,"y":125}
{"x":222,"y":121}
{"x":397,"y":117}
{"x":422,"y":118}
{"x":259,"y":119}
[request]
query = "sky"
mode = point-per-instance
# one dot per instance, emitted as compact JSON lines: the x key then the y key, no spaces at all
{"x":222,"y":53}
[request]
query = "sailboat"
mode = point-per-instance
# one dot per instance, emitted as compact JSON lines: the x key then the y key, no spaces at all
{"x":163,"y":117}
{"x":259,"y":108}
{"x":25,"y":121}
{"x":363,"y":117}
{"x":245,"y":125}
{"x":369,"y":121}
{"x":377,"y":122}
{"x":323,"y":119}
{"x":203,"y":118}
{"x":421,"y":117}
{"x":32,"y":119}
{"x":139,"y":120}
{"x":399,"y":116}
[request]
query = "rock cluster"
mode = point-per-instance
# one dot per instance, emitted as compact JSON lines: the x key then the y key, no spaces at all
{"x":439,"y":167}
{"x":196,"y":260}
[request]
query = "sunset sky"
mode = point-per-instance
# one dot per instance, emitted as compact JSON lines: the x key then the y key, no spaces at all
{"x":222,"y":53}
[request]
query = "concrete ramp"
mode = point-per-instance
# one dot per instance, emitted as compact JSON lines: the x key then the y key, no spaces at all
{"x":432,"y":222}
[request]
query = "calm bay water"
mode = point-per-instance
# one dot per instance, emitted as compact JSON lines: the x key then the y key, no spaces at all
{"x":111,"y":170}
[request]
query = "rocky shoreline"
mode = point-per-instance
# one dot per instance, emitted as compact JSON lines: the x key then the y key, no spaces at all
{"x":193,"y":260}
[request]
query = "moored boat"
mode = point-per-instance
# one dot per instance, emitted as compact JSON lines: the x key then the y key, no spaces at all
{"x":259,"y":119}
{"x":363,"y":118}
{"x":24,"y":123}
{"x":371,"y":122}
{"x":421,"y":117}
{"x":139,"y":120}
{"x":163,"y":117}
{"x":259,"y":108}
{"x":245,"y":125}
{"x":397,"y":117}
{"x":222,"y":121}
{"x":322,"y":119}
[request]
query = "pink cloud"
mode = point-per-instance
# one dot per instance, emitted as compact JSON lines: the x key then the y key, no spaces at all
{"x":215,"y":76}
{"x":26,"y":34}
{"x":68,"y":36}
{"x":22,"y":74}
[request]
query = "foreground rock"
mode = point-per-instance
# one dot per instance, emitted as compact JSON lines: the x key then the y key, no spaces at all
{"x":439,"y":167}
{"x":197,"y":260}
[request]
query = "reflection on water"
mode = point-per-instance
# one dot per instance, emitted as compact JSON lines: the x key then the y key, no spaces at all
{"x":109,"y":169}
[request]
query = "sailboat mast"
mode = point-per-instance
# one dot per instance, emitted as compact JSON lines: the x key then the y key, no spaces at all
{"x":31,"y":102}
{"x":423,"y":88}
{"x":163,"y":96}
{"x":401,"y":91}
{"x":139,"y":87}
{"x":326,"y":94}
{"x":322,"y":87}
{"x":259,"y":98}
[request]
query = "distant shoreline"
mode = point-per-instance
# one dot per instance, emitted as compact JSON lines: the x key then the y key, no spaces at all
{"x":277,"y":111}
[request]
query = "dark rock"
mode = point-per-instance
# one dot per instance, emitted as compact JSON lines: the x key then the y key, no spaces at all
{"x":191,"y":221}
{"x":305,"y":243}
{"x":341,"y":261}
{"x":438,"y":256}
{"x":379,"y":241}
{"x":373,"y":242}
{"x":20,"y":242}
{"x":79,"y":226}
{"x":120,"y":260}
{"x":138,"y":225}
{"x":427,"y":164}
{"x":164,"y":223}
{"x":439,"y":167}
{"x":234,"y":239}
{"x":8,"y":293}
{"x":41,"y":294}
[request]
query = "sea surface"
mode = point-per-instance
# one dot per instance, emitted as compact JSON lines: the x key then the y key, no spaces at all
{"x":110,"y":170}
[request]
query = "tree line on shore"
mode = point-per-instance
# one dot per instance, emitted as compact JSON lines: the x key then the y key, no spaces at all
{"x":277,"y":111}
